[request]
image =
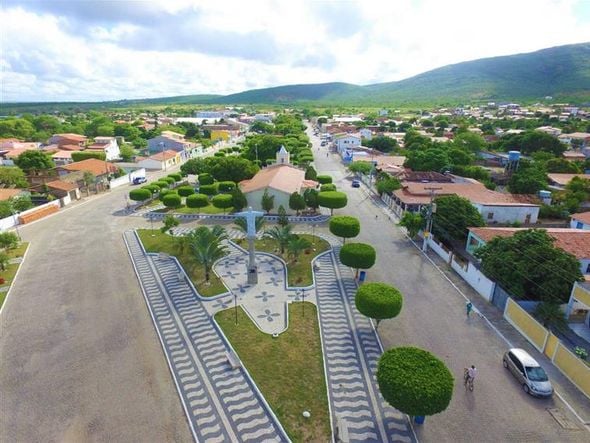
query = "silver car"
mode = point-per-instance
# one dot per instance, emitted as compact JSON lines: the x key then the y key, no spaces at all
{"x":528,"y":372}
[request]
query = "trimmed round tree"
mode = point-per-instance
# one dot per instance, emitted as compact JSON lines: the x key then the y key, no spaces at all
{"x":206,"y":179}
{"x":168,"y":180}
{"x":197,"y":201}
{"x":139,"y":195}
{"x":332,"y":200}
{"x":226,"y":186}
{"x":160,"y":184}
{"x":324,"y":179}
{"x":208,"y":189}
{"x":185,"y":191}
{"x":152,"y":188}
{"x":378,"y":301}
{"x":328,"y":187}
{"x":414,"y":381}
{"x":165,"y":192}
{"x":358,"y":256}
{"x":176,"y":177}
{"x":297,"y":202}
{"x":345,"y":226}
{"x":223,"y":201}
{"x":172,"y":200}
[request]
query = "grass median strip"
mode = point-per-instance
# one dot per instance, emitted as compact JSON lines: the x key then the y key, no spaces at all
{"x":156,"y":241}
{"x":287,"y":369}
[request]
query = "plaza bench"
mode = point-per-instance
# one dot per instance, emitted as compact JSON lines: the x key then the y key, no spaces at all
{"x":163,"y":256}
{"x":342,"y":430}
{"x":316,"y":266}
{"x":233,"y":360}
{"x":181,"y":276}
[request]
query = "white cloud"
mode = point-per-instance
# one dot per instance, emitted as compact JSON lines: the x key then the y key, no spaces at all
{"x":99,"y":50}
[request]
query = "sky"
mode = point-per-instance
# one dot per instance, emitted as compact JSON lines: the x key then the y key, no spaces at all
{"x":94,"y":50}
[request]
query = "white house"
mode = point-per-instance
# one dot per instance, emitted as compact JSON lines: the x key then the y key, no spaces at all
{"x":279,"y":180}
{"x":161,"y":161}
{"x":344,"y":142}
{"x":495,"y":207}
{"x":366,"y":133}
{"x":581,"y":220}
{"x":108,"y":145}
{"x":61,"y":158}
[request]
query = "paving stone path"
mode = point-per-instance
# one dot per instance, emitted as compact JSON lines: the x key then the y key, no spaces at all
{"x":221,"y":403}
{"x":351,"y":352}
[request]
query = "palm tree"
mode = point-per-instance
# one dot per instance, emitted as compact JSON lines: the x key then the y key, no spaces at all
{"x":88,"y":178}
{"x":281,"y":234}
{"x":242,"y":224}
{"x":206,"y":246}
{"x":296,"y":245}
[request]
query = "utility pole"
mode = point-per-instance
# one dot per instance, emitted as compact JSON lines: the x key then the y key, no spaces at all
{"x":431,"y":210}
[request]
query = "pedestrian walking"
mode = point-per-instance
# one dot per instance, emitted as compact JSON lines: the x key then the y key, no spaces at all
{"x":469,"y":308}
{"x":376,"y":217}
{"x":327,"y":154}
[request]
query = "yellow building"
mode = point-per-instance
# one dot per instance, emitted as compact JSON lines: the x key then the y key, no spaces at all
{"x":219,"y":134}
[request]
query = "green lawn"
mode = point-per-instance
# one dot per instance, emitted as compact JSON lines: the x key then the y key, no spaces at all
{"x":160,"y":242}
{"x":10,"y":271}
{"x":288,"y":369}
{"x":300,"y":272}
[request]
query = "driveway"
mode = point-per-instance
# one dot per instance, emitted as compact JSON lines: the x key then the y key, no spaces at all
{"x":433,"y":318}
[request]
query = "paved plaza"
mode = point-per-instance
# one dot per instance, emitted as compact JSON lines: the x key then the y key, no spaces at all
{"x":350,"y":345}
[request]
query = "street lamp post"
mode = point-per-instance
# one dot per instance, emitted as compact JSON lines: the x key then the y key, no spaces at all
{"x":235,"y":305}
{"x":16,"y":224}
{"x":152,"y":223}
{"x":162,"y":151}
{"x":303,"y":301}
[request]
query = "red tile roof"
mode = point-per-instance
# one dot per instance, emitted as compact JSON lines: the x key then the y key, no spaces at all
{"x":474,"y":191}
{"x":584,"y":217}
{"x":163,"y":156}
{"x":92,"y":165}
{"x":6,"y":194}
{"x":283,"y":178}
{"x":61,"y":185}
{"x":72,"y":137}
{"x":574,"y":241}
{"x":564,"y":179}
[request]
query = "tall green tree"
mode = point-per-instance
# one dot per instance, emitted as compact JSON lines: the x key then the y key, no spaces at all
{"x":297,"y":202}
{"x":267,"y":202}
{"x":33,"y":160}
{"x":311,"y":198}
{"x":413,"y":222}
{"x":360,"y":167}
{"x":310,"y":173}
{"x":344,"y":226}
{"x":169,"y":222}
{"x":8,"y":240}
{"x":206,"y":246}
{"x":453,"y":216}
{"x":239,"y":200}
{"x":528,"y":179}
{"x":358,"y":256}
{"x":12,"y":177}
{"x":528,"y":265}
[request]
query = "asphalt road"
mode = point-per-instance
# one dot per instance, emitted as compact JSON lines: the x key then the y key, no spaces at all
{"x":433,"y":318}
{"x":79,"y":356}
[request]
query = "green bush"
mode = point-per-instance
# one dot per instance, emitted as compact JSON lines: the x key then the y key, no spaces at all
{"x":358,"y":255}
{"x":208,"y":189}
{"x":206,"y":179}
{"x":85,"y":155}
{"x":222,"y":201}
{"x":185,"y":191}
{"x":226,"y":186}
{"x":378,"y":301}
{"x":172,"y":200}
{"x":324,"y":179}
{"x":328,"y":187}
{"x":197,"y":201}
{"x":175,"y":176}
{"x":219,"y":154}
{"x":414,"y":381}
{"x":152,"y":188}
{"x":345,"y":226}
{"x":165,"y":192}
{"x":168,"y":180}
{"x":140,"y":194}
{"x":160,"y":184}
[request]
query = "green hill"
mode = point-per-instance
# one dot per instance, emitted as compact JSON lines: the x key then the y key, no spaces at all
{"x":561,"y":72}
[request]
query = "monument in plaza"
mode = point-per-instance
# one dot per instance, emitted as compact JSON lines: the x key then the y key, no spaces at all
{"x":250,"y":217}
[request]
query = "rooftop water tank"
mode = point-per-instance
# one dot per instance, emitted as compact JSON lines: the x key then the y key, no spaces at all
{"x":513,"y":156}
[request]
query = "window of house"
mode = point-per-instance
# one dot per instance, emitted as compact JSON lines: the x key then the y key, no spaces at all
{"x":490,"y":215}
{"x":587,"y":269}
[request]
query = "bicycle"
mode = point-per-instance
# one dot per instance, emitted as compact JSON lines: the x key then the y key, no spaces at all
{"x":468,"y":381}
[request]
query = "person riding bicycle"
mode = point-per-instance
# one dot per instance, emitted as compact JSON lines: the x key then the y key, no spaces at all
{"x":470,"y":374}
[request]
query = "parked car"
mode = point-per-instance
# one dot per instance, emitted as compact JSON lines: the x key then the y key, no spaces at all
{"x":356,"y":183}
{"x":528,"y":372}
{"x":139,"y":180}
